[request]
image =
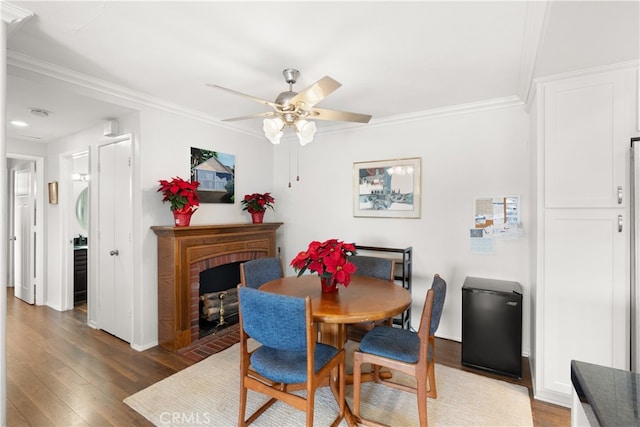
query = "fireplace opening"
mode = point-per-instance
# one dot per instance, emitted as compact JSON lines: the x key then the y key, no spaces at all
{"x":218,"y":305}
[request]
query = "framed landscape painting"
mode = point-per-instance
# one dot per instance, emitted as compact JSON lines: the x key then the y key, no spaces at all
{"x":215,"y":171}
{"x":387,"y":188}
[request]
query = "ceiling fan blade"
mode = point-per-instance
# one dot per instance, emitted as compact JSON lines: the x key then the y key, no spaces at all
{"x":345,"y":116}
{"x":315,"y":93}
{"x":253,"y":98}
{"x":253,"y":116}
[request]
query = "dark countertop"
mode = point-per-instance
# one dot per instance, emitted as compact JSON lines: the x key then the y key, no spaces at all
{"x":614,"y":394}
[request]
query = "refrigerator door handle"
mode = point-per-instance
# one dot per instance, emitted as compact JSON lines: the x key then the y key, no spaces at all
{"x":619,"y":223}
{"x":619,"y":194}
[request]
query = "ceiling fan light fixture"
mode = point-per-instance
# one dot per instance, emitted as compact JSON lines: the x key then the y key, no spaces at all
{"x":273,"y":129}
{"x":291,"y":109}
{"x":305,"y":131}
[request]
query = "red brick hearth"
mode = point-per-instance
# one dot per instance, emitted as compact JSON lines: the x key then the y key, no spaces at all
{"x":211,"y":344}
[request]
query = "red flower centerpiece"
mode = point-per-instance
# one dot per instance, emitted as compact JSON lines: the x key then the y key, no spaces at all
{"x":183,"y":196}
{"x":330,"y":259}
{"x":256,"y":204}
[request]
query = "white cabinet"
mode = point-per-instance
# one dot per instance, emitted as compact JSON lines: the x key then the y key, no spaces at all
{"x":584,"y":310}
{"x":586,"y":135}
{"x":582,"y":227}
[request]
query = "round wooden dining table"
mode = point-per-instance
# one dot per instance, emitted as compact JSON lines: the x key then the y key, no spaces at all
{"x":365,"y":299}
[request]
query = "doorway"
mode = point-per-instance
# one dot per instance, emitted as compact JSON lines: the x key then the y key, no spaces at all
{"x":26,"y":249}
{"x":78,"y":226}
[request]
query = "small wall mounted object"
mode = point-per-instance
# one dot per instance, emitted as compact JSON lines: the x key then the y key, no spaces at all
{"x":53,"y":193}
{"x":111,"y":128}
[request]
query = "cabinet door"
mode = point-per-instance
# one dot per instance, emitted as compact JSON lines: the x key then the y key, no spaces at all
{"x":584,"y":310}
{"x":586,"y":134}
{"x":79,"y":275}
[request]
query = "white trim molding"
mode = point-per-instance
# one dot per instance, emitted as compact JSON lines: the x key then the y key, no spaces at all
{"x":14,"y":16}
{"x":579,"y":73}
{"x":535,"y":27}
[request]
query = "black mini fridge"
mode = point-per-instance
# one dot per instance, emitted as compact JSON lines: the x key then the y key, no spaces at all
{"x":492,"y":325}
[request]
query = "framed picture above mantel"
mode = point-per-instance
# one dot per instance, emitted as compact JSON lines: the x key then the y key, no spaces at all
{"x":387,"y":188}
{"x":215,"y":171}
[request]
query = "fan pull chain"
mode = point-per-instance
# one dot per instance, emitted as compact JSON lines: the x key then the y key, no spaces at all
{"x":297,"y":163}
{"x":289,"y":164}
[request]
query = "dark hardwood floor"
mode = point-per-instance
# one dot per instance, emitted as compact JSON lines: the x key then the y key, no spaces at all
{"x":61,"y":372}
{"x":449,"y":353}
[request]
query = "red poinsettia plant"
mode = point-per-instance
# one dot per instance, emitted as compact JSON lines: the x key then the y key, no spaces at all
{"x":257,"y":202}
{"x":330,"y":259}
{"x":182,"y":194}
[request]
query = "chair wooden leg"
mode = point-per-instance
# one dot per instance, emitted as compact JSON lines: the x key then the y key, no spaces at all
{"x":357,"y":374}
{"x":341,"y":385}
{"x":243,"y":404}
{"x":422,"y":403}
{"x":310,"y":405}
{"x":432,"y":391}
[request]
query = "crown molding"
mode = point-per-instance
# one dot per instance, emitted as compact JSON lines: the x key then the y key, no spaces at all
{"x":588,"y":71}
{"x":14,"y":16}
{"x":133,"y":98}
{"x":455,"y":110}
{"x":535,"y":28}
{"x":580,"y":73}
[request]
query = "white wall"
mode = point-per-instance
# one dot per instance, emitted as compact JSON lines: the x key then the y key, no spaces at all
{"x":475,"y":154}
{"x":25,"y":148}
{"x":482,"y":153}
{"x":61,"y":224}
{"x":164,"y":151}
{"x":162,"y":143}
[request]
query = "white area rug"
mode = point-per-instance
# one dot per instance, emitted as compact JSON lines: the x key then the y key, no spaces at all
{"x":207,"y":394}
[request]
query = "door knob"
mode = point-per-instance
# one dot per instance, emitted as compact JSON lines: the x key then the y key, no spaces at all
{"x":114,"y":252}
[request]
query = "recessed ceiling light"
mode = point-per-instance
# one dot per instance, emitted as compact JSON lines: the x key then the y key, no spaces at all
{"x":18,"y":123}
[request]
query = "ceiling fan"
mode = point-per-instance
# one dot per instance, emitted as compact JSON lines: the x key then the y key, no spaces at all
{"x":296,"y":109}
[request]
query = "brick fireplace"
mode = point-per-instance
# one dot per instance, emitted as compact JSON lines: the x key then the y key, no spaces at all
{"x":185,"y":251}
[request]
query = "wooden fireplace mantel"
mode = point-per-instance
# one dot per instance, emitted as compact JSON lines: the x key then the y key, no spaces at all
{"x":179,"y":248}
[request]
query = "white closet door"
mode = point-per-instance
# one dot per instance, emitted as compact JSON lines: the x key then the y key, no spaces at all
{"x":115,"y":258}
{"x":24,"y":233}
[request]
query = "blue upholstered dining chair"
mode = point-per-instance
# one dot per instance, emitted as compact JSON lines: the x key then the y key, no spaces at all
{"x":257,"y":272}
{"x":380,"y":268}
{"x":412,"y":353}
{"x":287,"y":354}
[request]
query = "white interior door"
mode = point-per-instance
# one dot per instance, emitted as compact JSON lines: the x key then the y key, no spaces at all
{"x":115,"y":257}
{"x":24,"y":232}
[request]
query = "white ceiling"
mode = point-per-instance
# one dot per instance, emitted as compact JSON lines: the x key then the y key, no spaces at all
{"x":394,"y":59}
